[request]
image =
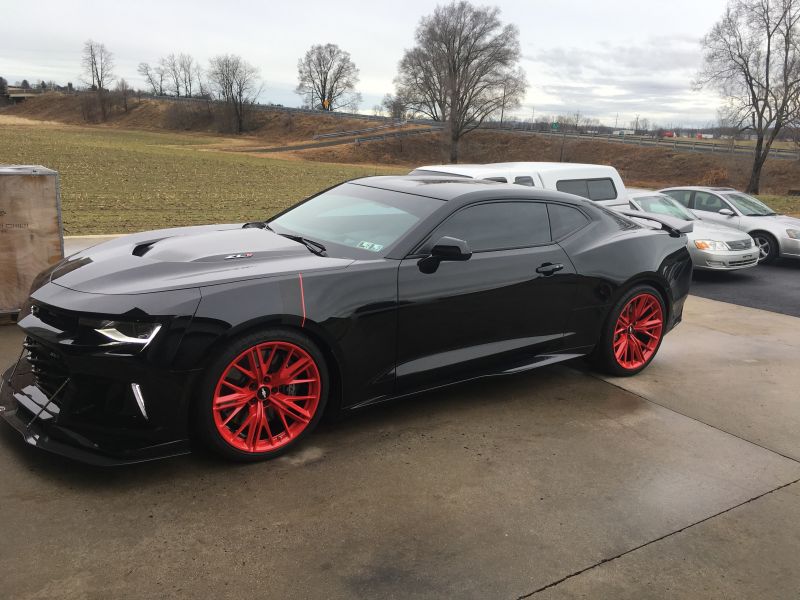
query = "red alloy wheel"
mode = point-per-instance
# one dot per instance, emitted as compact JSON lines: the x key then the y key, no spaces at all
{"x":266,"y":397}
{"x":638,"y":331}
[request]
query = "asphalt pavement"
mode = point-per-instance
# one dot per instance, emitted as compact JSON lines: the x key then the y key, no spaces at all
{"x":774,"y":287}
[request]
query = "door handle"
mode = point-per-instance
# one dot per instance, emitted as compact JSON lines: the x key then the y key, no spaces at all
{"x":549,"y":268}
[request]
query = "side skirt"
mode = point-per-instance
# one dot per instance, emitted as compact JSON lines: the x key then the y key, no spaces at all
{"x":540,"y":360}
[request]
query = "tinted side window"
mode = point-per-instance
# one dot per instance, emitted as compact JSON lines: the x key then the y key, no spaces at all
{"x":564,"y":220}
{"x":498,"y":226}
{"x":602,"y":189}
{"x":497,"y":179}
{"x":526,"y":180}
{"x":594,"y":189}
{"x":708,"y":202}
{"x":682,"y":196}
{"x":573,"y":186}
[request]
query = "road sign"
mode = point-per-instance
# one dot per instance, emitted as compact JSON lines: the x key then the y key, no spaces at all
{"x":554,"y":125}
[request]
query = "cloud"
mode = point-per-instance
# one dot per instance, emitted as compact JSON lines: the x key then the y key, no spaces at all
{"x":651,"y":78}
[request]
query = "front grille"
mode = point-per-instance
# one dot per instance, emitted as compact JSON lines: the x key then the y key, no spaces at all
{"x":48,"y":369}
{"x":739,"y":263}
{"x":741,"y":244}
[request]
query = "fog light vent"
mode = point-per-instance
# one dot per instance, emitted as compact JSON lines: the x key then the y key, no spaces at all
{"x":137,"y":393}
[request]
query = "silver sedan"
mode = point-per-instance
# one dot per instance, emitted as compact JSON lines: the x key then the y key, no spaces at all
{"x":776,"y":235}
{"x":712,"y":247}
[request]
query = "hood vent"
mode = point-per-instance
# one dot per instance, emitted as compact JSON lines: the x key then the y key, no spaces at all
{"x":142,"y":249}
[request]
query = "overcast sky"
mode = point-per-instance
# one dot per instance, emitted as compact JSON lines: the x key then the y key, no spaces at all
{"x":602,"y":58}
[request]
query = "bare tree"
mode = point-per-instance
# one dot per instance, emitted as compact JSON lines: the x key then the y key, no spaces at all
{"x":98,"y":65}
{"x":172,"y":71}
{"x":154,"y":76}
{"x":395,"y":106}
{"x":123,"y":92}
{"x":328,"y":77}
{"x":752,"y":56}
{"x":186,"y":64}
{"x":98,"y":71}
{"x":463,"y":69}
{"x":235,"y":82}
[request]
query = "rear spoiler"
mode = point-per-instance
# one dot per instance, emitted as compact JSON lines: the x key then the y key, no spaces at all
{"x":675,"y":227}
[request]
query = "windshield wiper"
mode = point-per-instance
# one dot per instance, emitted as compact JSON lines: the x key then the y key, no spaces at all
{"x":313,"y":246}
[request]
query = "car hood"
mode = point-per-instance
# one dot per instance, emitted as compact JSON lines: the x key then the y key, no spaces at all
{"x":185,"y":257}
{"x":789,"y":221}
{"x":704,"y":230}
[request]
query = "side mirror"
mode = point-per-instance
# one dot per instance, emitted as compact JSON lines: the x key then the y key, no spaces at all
{"x":450,"y":248}
{"x":447,"y":248}
{"x":726,"y":212}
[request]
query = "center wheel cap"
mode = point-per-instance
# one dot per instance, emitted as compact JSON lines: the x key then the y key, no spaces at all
{"x":263,"y":393}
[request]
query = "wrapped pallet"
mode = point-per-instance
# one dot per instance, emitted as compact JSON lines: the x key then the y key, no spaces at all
{"x":31,"y":232}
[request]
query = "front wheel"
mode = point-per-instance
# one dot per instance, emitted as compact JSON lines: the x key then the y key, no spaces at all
{"x":263,"y":394}
{"x":633,"y":332}
{"x":767,"y":246}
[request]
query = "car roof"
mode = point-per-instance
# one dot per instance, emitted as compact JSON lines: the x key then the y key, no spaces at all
{"x":501,"y":169}
{"x":705,"y":188}
{"x":450,"y":189}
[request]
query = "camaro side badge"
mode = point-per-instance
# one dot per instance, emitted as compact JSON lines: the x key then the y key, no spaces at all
{"x":242,"y":255}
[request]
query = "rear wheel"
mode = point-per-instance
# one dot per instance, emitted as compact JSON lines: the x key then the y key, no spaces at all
{"x":633,"y":333}
{"x":767,"y":246}
{"x":263,"y":394}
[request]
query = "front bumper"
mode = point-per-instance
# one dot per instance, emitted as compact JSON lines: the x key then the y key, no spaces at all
{"x":730,"y":260}
{"x":790,"y":247}
{"x":75,"y":421}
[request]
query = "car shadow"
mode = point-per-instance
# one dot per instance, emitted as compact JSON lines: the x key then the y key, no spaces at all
{"x":329,"y":441}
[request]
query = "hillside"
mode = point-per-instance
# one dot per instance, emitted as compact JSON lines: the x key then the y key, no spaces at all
{"x":639,"y":166}
{"x":266,"y":127}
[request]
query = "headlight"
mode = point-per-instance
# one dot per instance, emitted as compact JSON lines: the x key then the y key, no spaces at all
{"x":711,"y":245}
{"x":122,"y":332}
{"x":793,"y":233}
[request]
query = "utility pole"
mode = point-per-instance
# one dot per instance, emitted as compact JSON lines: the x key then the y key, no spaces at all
{"x":503,"y":106}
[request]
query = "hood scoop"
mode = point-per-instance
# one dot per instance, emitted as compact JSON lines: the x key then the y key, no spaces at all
{"x":219,"y":246}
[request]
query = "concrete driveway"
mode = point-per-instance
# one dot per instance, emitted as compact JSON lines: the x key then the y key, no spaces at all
{"x":681,"y":482}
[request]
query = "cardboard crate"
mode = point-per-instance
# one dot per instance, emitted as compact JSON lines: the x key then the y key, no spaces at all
{"x":31,"y":232}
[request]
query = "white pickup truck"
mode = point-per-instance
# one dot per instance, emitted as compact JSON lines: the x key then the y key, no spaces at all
{"x":600,"y":183}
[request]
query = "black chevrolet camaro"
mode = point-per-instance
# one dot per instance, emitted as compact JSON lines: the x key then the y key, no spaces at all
{"x":241,"y":336}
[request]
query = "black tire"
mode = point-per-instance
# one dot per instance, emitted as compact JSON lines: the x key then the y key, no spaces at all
{"x":603,"y":356}
{"x":766,"y":241}
{"x":204,"y":413}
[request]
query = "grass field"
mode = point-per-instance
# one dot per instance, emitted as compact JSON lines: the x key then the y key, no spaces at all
{"x":117,"y":181}
{"x":122,"y":181}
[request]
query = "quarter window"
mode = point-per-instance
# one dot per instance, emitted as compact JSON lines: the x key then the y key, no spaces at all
{"x":525,"y":180}
{"x":593,"y":189}
{"x":498,"y":226}
{"x":565,"y":220}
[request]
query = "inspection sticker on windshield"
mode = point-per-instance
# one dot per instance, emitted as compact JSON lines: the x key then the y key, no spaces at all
{"x":370,"y":246}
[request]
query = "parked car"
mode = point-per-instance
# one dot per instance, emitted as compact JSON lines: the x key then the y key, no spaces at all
{"x":712,"y":247}
{"x":775,"y":235}
{"x":242,"y":335}
{"x":600,"y":183}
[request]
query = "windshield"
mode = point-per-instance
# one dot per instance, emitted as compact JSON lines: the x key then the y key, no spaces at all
{"x":749,"y":206}
{"x":359,"y":221}
{"x":663,"y":205}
